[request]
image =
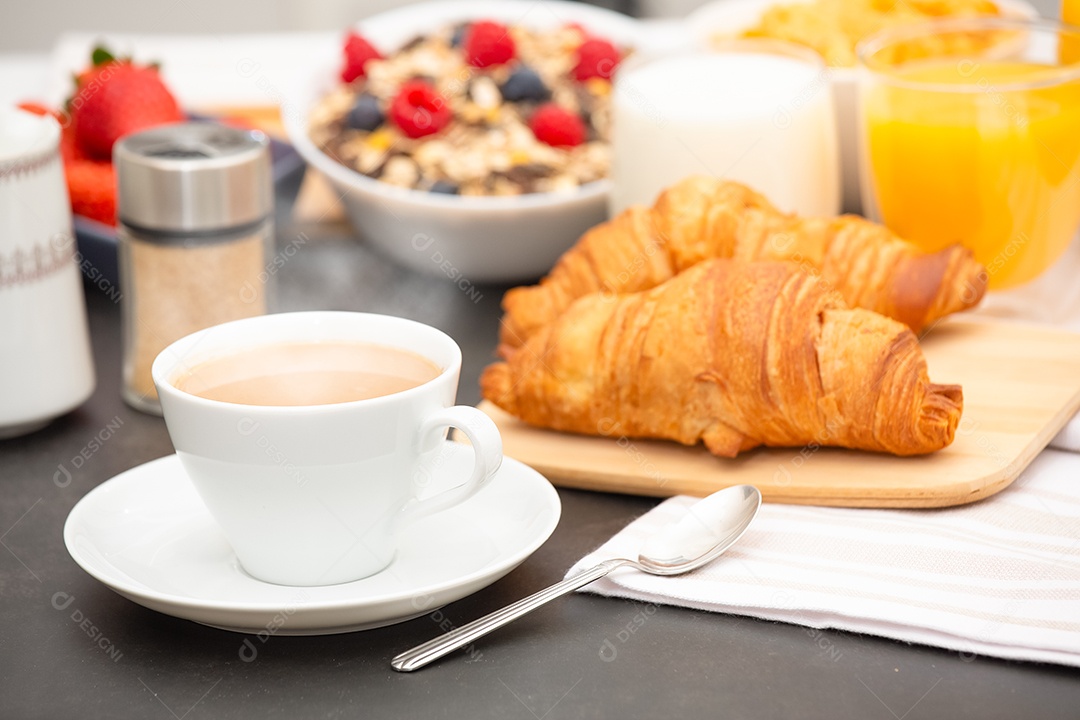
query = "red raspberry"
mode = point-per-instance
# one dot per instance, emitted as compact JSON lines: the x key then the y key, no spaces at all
{"x":419,"y":110}
{"x":357,"y":53}
{"x":557,"y":126}
{"x":596,"y":58}
{"x":488,"y":43}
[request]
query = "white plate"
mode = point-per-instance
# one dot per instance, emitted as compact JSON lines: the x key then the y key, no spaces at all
{"x":147,"y":535}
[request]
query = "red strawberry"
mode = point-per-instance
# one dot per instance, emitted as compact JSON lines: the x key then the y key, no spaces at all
{"x":488,"y":43}
{"x":69,"y":147}
{"x":117,"y":98}
{"x":557,"y":126}
{"x":418,"y":109}
{"x":357,"y":53}
{"x":596,"y":58}
{"x":92,"y":187}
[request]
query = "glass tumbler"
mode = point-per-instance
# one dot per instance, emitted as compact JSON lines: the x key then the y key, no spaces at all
{"x":970,"y":133}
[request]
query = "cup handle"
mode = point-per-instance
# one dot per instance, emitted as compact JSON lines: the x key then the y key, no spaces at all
{"x":487,"y":454}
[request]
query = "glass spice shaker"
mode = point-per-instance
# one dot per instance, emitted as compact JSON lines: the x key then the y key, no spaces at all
{"x":195,"y":232}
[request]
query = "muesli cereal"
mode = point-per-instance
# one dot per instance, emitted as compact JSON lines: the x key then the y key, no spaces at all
{"x":475,"y":108}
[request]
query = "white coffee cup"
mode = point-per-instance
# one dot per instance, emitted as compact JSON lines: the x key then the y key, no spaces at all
{"x":315,"y":495}
{"x":46,"y":368}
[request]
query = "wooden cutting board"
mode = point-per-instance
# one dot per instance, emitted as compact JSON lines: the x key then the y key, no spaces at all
{"x":1021,"y":385}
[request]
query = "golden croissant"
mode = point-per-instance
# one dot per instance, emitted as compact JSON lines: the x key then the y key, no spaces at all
{"x":734,"y":354}
{"x":702,"y":217}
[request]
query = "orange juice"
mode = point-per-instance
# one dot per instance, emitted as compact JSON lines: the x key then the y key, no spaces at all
{"x":987,"y":155}
{"x":1070,"y":47}
{"x":1070,"y":12}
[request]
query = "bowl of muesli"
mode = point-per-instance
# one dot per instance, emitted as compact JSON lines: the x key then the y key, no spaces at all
{"x":467,"y":139}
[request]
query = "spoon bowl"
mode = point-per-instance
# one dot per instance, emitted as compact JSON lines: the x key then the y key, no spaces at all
{"x":710,"y":526}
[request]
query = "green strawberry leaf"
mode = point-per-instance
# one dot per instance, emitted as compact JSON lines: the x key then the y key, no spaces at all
{"x":101,"y":56}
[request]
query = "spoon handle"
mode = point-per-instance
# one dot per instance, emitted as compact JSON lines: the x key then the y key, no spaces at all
{"x":434,"y":649}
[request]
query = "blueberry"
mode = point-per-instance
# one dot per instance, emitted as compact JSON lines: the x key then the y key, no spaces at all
{"x":365,"y":114}
{"x":458,"y":35}
{"x":524,"y":85}
{"x":444,"y":188}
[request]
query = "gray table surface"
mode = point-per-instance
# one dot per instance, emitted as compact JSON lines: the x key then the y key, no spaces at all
{"x":556,"y":663}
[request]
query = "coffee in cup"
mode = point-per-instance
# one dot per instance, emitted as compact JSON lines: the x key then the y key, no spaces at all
{"x":321,"y":373}
{"x":313,"y":487}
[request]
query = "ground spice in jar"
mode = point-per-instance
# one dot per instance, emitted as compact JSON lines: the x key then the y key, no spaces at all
{"x":176,"y":290}
{"x":195,"y":237}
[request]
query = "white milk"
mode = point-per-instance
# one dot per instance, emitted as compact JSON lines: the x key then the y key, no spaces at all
{"x":765,"y":120}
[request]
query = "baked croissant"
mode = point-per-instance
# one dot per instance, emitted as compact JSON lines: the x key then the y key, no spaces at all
{"x":734,"y":354}
{"x":702,"y":217}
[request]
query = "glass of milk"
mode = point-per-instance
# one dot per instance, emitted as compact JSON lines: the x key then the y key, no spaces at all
{"x":759,"y":112}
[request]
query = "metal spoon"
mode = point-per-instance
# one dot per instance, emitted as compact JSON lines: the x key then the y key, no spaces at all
{"x":710,"y":527}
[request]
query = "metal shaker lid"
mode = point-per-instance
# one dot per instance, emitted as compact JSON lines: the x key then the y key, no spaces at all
{"x":193,"y":177}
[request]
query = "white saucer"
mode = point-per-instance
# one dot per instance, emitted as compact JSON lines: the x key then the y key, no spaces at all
{"x":147,"y":535}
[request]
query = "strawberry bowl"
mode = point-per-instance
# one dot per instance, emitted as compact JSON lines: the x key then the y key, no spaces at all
{"x":463,"y":235}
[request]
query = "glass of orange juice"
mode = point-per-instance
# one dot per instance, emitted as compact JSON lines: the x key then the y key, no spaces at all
{"x":970,"y":133}
{"x":1070,"y":13}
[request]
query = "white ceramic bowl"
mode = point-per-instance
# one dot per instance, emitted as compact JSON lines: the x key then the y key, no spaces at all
{"x":732,"y":16}
{"x":465,"y":239}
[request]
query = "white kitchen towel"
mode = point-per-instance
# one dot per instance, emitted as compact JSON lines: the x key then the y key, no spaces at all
{"x":1069,"y":437}
{"x":1000,"y":577}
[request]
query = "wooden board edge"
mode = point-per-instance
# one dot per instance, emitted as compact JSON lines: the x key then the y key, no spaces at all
{"x":962,"y":493}
{"x":965,"y":493}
